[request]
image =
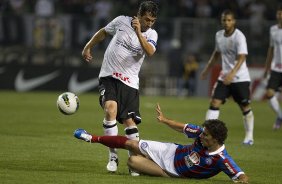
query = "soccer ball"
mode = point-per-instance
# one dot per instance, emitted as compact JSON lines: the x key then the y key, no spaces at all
{"x":68,"y":103}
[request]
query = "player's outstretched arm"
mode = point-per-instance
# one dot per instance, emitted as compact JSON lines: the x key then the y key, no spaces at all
{"x":97,"y":38}
{"x":178,"y":126}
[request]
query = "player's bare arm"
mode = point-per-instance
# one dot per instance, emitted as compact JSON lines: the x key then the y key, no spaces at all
{"x":241,"y":58}
{"x":148,"y":48}
{"x":268,"y":61}
{"x":214,"y":58}
{"x":97,"y":38}
{"x":178,"y":126}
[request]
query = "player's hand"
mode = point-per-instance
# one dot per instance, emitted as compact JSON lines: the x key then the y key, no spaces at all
{"x":86,"y":54}
{"x":242,"y":179}
{"x":228,"y":78}
{"x":136,"y":24}
{"x":204,"y":75}
{"x":160,"y":115}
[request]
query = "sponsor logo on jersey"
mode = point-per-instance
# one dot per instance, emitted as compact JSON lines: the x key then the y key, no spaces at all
{"x":192,"y":159}
{"x":23,"y":84}
{"x":121,"y":77}
{"x":191,"y":130}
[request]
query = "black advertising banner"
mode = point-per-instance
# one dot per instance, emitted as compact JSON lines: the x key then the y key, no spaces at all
{"x":46,"y":77}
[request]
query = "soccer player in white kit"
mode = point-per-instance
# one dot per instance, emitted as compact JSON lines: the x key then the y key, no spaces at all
{"x":234,"y":78}
{"x":274,"y":63}
{"x":133,"y":39}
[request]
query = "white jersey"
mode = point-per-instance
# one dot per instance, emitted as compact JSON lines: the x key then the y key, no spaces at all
{"x":125,"y":55}
{"x":276,"y":43}
{"x":230,"y":47}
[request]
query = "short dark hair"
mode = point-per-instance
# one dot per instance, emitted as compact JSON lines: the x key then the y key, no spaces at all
{"x":229,"y":12}
{"x":148,"y":6}
{"x":217,"y":129}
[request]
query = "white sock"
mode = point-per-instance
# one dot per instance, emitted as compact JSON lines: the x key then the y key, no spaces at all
{"x":111,"y":129}
{"x":212,"y":114}
{"x":249,"y":125}
{"x":274,"y":104}
{"x":132,"y":133}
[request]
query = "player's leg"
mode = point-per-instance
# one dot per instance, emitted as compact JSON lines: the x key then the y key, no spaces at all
{"x":248,"y":119}
{"x":241,"y":95}
{"x":219,"y":94}
{"x":108,"y":102}
{"x":118,"y":141}
{"x":128,"y":114}
{"x":213,"y":111}
{"x":132,"y":133}
{"x":146,"y":166}
{"x":111,"y":129}
{"x":273,"y":85}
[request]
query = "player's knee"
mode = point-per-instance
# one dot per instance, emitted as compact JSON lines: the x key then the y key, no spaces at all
{"x":269,"y":93}
{"x":245,"y":104}
{"x":215,"y":104}
{"x":133,"y":162}
{"x":111,"y":110}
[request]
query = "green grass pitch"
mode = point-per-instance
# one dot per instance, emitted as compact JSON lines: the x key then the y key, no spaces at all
{"x":37,"y":143}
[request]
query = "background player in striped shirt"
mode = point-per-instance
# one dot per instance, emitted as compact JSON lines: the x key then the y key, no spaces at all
{"x":205,"y":158}
{"x":274,"y":63}
{"x":133,"y":39}
{"x":234,"y":79}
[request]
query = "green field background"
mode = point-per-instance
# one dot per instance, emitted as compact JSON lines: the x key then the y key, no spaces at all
{"x":37,"y":143}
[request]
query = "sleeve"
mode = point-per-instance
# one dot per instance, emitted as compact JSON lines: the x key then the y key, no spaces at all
{"x":216,"y":42}
{"x":192,"y":131}
{"x":241,"y":44}
{"x":230,"y":168}
{"x":271,"y":43}
{"x":153,"y":38}
{"x":111,"y":27}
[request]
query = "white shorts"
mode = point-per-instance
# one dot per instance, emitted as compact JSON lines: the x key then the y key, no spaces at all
{"x":161,"y":153}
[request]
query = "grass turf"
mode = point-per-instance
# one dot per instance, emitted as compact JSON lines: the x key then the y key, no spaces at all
{"x":37,"y":143}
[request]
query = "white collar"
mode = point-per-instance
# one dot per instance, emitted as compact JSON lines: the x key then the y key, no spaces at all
{"x":218,"y":150}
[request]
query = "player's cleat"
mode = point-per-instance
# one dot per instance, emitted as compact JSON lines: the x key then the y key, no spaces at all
{"x":248,"y":142}
{"x":277,"y":124}
{"x":112,"y":164}
{"x":133,"y":173}
{"x":82,"y":134}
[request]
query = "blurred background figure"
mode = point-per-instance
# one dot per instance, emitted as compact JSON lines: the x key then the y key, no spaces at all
{"x":188,"y":82}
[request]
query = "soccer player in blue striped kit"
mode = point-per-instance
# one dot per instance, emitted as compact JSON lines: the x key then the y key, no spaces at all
{"x":205,"y":158}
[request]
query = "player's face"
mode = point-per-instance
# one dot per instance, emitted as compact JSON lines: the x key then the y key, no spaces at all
{"x":207,"y":140}
{"x":279,"y":16}
{"x":146,"y":21}
{"x":228,"y":22}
